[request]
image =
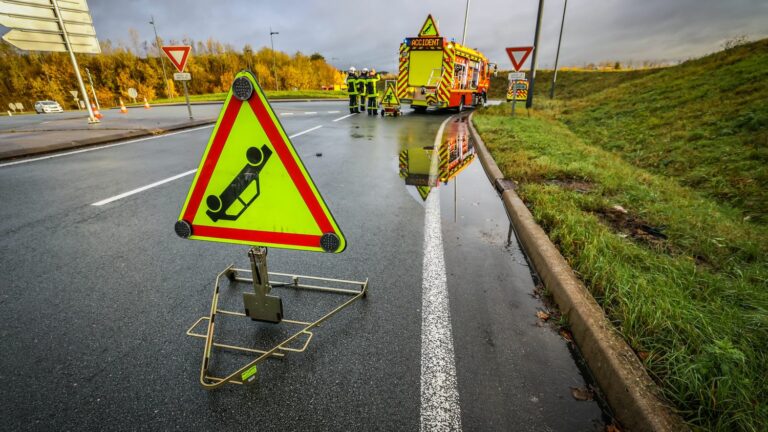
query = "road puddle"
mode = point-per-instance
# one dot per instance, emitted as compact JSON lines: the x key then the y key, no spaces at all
{"x":415,"y":160}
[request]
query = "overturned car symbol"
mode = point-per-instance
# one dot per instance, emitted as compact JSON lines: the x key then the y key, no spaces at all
{"x":219,"y":205}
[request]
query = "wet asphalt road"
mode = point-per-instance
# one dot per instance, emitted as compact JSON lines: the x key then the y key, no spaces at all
{"x":95,"y":301}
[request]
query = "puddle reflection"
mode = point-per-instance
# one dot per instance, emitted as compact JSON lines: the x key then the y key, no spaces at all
{"x":415,"y":161}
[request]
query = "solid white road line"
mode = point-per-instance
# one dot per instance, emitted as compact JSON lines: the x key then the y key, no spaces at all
{"x":342,"y":118}
{"x":170,"y":179}
{"x":306,"y":131}
{"x":89,"y":149}
{"x":143,"y":188}
{"x":440,"y":410}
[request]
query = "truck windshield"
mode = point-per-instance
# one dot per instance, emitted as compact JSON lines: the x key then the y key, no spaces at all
{"x":421,"y":66}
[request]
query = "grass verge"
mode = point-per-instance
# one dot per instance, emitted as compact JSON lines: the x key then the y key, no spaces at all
{"x":683,"y":277}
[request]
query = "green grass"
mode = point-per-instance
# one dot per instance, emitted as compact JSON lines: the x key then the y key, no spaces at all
{"x":705,"y":123}
{"x":694,"y":305}
{"x":570,"y":84}
{"x":271,"y":94}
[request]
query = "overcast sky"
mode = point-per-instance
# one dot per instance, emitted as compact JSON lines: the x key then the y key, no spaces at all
{"x":367,"y":33}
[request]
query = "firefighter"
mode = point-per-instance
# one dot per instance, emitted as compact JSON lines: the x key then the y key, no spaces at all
{"x":352,"y":90}
{"x":361,"y":88}
{"x":370,"y":90}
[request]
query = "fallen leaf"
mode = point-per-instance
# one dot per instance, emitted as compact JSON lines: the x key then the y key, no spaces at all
{"x":542,"y":315}
{"x":643,"y":355}
{"x":619,"y":209}
{"x":612,"y":428}
{"x":566,"y":335}
{"x":581,"y":394}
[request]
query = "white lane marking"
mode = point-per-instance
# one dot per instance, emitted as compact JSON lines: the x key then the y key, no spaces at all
{"x":342,"y":118}
{"x":333,"y":112}
{"x":286,"y":114}
{"x":170,"y":179}
{"x":310,"y":112}
{"x":440,"y":410}
{"x":143,"y":188}
{"x":89,"y":149}
{"x":306,"y":131}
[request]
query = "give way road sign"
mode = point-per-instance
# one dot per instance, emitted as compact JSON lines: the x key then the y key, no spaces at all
{"x":518,"y":55}
{"x":178,"y":54}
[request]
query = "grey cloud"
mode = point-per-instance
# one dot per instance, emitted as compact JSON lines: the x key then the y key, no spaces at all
{"x":367,"y":33}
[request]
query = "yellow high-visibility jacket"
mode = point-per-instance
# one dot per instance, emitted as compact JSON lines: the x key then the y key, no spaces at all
{"x":352,"y":84}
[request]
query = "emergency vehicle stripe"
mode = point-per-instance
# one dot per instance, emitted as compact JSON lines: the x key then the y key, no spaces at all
{"x":402,"y":76}
{"x":444,"y":91}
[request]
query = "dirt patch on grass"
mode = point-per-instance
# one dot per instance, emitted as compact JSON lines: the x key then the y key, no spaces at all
{"x":573,"y":185}
{"x":635,"y":228}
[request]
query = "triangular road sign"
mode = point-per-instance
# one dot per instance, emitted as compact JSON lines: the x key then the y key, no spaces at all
{"x":390,"y":98}
{"x":251,"y":186}
{"x":518,"y":55}
{"x":429,"y":28}
{"x":178,"y":54}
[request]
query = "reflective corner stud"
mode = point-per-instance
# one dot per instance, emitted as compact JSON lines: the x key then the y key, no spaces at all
{"x":330,"y":242}
{"x":242,"y":88}
{"x":183,"y":229}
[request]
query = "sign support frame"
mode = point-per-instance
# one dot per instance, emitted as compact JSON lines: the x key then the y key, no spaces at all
{"x":57,"y":11}
{"x":247,"y":374}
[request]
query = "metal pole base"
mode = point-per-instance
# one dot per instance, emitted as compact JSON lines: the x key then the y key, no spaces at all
{"x":247,"y":374}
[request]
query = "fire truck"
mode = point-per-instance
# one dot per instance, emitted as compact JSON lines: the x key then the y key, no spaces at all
{"x":453,"y":155}
{"x":440,"y":73}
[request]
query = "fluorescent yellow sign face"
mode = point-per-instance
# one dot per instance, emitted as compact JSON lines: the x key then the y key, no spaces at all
{"x":251,"y":186}
{"x":390,"y":98}
{"x":429,"y":28}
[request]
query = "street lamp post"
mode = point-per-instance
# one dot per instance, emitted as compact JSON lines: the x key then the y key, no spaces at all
{"x":274,"y":60}
{"x":557,"y":56}
{"x":162,"y":58}
{"x":529,"y":101}
{"x":466,"y":18}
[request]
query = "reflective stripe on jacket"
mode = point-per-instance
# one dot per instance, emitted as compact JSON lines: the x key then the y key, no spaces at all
{"x":370,"y":84}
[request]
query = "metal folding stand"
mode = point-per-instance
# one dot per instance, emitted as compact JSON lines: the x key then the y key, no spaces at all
{"x":260,"y":306}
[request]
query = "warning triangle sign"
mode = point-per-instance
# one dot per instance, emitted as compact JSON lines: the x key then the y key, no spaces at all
{"x":390,"y":98}
{"x":251,"y":186}
{"x":518,"y":55}
{"x":429,"y":28}
{"x":178,"y":54}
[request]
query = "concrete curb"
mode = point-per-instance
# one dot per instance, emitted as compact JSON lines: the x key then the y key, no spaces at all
{"x":17,"y":153}
{"x":629,"y":390}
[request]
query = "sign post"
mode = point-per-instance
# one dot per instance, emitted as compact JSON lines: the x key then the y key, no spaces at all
{"x":178,"y":55}
{"x":93,"y":89}
{"x":40,"y":25}
{"x":518,"y":56}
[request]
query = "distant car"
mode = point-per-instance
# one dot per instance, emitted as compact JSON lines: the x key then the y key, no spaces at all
{"x":47,"y":107}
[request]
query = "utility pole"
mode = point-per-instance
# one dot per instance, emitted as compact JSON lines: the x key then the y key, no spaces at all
{"x":466,"y":18}
{"x":557,"y":56}
{"x":529,"y":101}
{"x":274,"y":60}
{"x":93,"y":89}
{"x":162,"y":58}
